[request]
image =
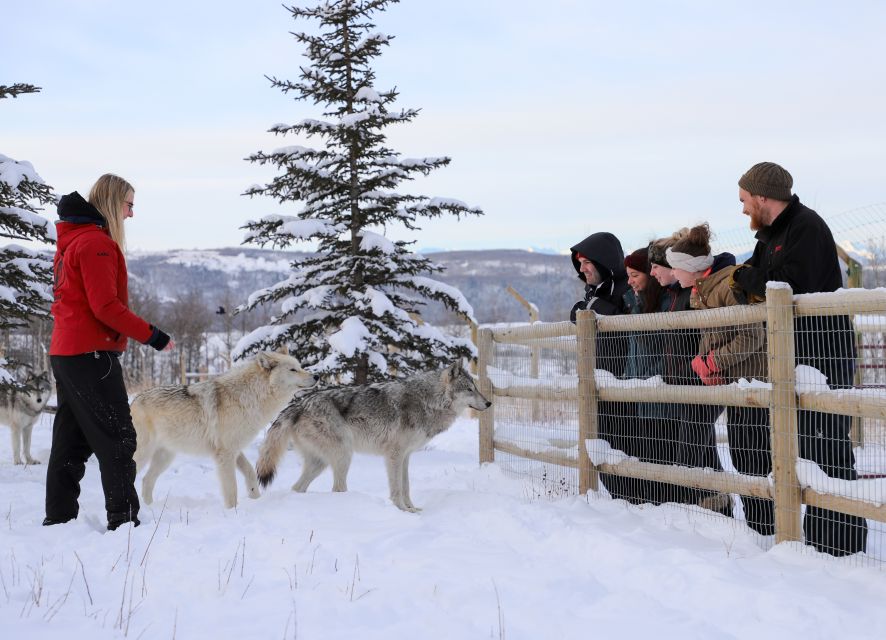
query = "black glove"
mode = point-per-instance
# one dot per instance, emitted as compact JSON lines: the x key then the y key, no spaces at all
{"x":158,"y":339}
{"x":581,"y":305}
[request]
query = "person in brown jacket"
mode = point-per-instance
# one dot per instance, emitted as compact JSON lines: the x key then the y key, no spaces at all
{"x":689,"y":257}
{"x":726,"y":355}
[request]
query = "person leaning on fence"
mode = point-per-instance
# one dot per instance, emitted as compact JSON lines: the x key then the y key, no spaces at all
{"x":659,"y":267}
{"x":726,"y":355}
{"x":795,"y":245}
{"x":92,"y":324}
{"x":689,"y":257}
{"x":656,"y":435}
{"x":599,"y":261}
{"x":677,"y":345}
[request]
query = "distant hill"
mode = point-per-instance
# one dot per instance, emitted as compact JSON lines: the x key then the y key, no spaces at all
{"x":226,"y":277}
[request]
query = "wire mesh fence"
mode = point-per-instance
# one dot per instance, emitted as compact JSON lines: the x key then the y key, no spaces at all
{"x":769,"y":414}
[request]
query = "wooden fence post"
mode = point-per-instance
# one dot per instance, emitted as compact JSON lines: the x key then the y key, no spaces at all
{"x":485,"y":348}
{"x":783,"y":412}
{"x":586,"y":339}
{"x":475,"y":338}
{"x":533,"y":350}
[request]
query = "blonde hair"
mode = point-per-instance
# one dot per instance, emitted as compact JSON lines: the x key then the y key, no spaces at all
{"x":669,"y":241}
{"x":107,"y":195}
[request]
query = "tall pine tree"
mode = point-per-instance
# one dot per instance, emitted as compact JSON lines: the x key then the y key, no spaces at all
{"x":25,"y":274}
{"x":352,"y":308}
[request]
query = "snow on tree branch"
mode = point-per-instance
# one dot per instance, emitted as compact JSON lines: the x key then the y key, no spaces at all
{"x":25,"y":274}
{"x":352,"y":309}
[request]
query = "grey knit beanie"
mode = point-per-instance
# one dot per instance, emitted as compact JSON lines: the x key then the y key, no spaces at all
{"x":767,"y":179}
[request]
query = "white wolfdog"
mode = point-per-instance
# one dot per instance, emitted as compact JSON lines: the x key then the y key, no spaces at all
{"x":391,"y":419}
{"x":20,"y":410}
{"x":218,"y":417}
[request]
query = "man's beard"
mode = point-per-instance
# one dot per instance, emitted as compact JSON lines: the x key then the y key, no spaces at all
{"x":757,"y":221}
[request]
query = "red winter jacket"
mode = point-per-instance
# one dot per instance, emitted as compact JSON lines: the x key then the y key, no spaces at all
{"x":91,"y":297}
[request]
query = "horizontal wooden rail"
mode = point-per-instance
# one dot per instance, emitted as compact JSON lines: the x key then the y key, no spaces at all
{"x":550,"y":458}
{"x":840,"y":303}
{"x":563,"y":343}
{"x":540,"y":392}
{"x":852,"y":506}
{"x":721,"y":481}
{"x":845,"y":404}
{"x":836,"y":402}
{"x":534,"y":331}
{"x":818,"y":304}
{"x":706,"y":318}
{"x":727,"y":396}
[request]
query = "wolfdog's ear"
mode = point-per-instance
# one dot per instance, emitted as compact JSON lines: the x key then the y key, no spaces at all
{"x":453,"y":370}
{"x":266,"y":360}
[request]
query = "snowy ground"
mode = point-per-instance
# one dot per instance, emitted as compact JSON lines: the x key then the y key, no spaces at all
{"x":485,"y":559}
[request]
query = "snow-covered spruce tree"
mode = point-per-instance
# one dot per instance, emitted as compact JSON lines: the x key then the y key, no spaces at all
{"x":25,"y":274}
{"x":351,"y":308}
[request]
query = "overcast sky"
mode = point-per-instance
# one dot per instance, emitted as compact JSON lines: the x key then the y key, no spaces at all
{"x":562,"y":117}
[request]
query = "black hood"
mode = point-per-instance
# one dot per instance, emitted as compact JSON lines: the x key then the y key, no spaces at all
{"x":74,"y":208}
{"x":604,"y":250}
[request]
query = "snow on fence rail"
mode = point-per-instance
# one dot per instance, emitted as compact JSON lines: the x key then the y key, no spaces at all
{"x":789,"y":393}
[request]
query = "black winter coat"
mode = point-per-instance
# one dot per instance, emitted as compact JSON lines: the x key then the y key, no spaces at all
{"x":606,"y":298}
{"x":799,"y":249}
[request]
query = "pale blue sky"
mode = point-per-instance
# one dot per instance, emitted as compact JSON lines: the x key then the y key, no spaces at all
{"x":562,"y":118}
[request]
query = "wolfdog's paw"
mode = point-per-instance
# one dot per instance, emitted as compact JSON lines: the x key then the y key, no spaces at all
{"x":32,"y":461}
{"x":410,"y":508}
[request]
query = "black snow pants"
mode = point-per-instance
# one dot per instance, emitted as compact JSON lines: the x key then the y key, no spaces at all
{"x":698,"y":447}
{"x":93,"y":418}
{"x":751,"y":452}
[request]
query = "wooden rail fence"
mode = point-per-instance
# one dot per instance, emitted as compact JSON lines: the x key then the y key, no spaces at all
{"x":783,"y":398}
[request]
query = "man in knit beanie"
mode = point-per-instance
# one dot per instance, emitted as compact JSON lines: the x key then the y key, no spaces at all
{"x":765,"y":190}
{"x":795,"y":245}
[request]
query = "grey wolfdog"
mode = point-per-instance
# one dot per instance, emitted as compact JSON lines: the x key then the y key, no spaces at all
{"x":218,"y":417}
{"x":390,"y":419}
{"x":20,"y":410}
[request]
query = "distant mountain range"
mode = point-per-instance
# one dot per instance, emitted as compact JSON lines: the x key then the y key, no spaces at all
{"x":226,"y":277}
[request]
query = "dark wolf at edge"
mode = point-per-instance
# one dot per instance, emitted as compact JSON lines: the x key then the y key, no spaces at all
{"x":390,"y":419}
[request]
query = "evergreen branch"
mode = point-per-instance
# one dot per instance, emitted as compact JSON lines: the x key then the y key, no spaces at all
{"x":17,"y":89}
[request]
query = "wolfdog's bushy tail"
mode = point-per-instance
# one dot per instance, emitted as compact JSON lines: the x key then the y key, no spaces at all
{"x":272,"y":449}
{"x":144,"y":434}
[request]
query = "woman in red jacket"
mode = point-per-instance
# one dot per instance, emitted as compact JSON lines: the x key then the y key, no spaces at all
{"x":92,"y":325}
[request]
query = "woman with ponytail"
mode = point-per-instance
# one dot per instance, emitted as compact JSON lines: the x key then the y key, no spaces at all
{"x":690,"y":258}
{"x":92,"y":326}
